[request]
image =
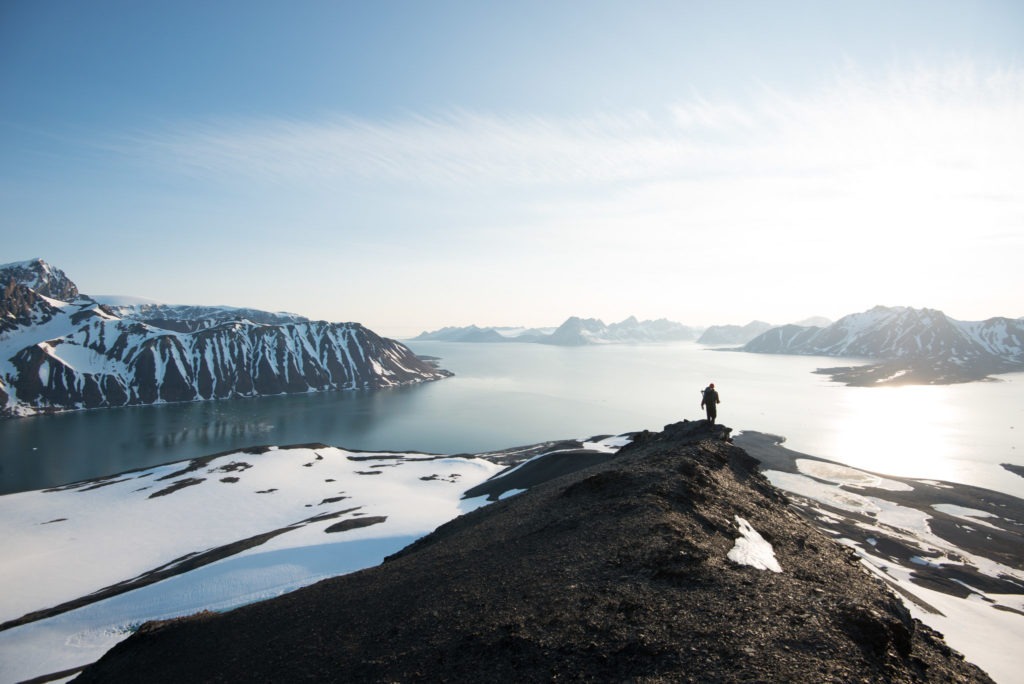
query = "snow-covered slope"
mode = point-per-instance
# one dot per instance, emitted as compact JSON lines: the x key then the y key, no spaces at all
{"x":87,"y":563}
{"x":70,"y":354}
{"x":922,"y":345}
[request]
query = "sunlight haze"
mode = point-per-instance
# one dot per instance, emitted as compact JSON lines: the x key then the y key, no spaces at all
{"x":416,"y":165}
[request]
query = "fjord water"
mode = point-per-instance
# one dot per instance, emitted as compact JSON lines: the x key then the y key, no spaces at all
{"x":506,"y":395}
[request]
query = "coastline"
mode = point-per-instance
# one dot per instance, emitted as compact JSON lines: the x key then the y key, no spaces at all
{"x":953,"y":552}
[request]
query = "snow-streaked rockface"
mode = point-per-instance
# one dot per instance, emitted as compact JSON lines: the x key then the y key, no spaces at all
{"x":924,"y":341}
{"x":76,"y":353}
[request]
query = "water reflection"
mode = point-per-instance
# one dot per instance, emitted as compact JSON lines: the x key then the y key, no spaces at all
{"x":882,"y":429}
{"x":46,"y":450}
{"x":515,"y":394}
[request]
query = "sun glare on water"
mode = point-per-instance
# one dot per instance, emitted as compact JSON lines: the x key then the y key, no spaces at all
{"x":903,"y":431}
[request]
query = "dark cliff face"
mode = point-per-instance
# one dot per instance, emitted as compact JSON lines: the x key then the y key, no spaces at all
{"x":21,"y":306}
{"x":616,"y":572}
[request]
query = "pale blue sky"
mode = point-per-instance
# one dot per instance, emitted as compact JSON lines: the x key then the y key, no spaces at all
{"x":411,"y":165}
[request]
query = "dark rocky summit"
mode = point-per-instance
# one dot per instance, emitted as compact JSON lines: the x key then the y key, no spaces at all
{"x":615,"y":572}
{"x":41,"y":278}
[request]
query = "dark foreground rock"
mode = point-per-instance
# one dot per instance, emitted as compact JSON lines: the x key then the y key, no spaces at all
{"x":617,"y":572}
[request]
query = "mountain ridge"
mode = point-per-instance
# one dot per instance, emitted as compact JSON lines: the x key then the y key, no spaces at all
{"x":631,"y":569}
{"x":74,"y":353}
{"x":573,"y":332}
{"x":912,"y":346}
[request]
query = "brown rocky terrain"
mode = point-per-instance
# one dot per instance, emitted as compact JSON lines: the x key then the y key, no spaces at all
{"x":614,"y":572}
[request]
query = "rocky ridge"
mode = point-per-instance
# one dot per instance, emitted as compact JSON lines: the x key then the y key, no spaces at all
{"x":624,"y":570}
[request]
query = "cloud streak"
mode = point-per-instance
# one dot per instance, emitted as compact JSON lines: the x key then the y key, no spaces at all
{"x":955,"y":122}
{"x":826,"y":202}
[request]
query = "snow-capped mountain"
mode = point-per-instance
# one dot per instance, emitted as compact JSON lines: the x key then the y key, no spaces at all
{"x":41,"y":278}
{"x":63,"y":350}
{"x":915,"y":345}
{"x":582,"y":331}
{"x":574,"y":332}
{"x":469,"y":333}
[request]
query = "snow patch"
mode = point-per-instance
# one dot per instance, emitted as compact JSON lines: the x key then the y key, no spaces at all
{"x":964,"y":513}
{"x":845,"y":475}
{"x":609,"y":445}
{"x":752,"y":549}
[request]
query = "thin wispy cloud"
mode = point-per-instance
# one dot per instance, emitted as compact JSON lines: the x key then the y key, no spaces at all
{"x":948,"y":124}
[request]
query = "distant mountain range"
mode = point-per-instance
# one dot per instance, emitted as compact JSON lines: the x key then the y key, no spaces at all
{"x":741,"y":334}
{"x":908,"y":346}
{"x":578,"y":332}
{"x":575,"y":332}
{"x":62,"y":350}
{"x":913,"y":346}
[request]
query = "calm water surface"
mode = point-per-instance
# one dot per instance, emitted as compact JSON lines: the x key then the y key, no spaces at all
{"x":512,"y":394}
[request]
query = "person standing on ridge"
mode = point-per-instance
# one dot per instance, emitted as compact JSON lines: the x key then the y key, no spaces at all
{"x":709,"y":401}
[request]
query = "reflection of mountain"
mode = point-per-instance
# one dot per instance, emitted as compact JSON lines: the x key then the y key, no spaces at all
{"x":63,"y":350}
{"x":573,"y":332}
{"x":914,"y":346}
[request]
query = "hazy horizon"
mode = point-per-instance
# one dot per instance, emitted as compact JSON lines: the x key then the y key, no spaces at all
{"x":412,"y":166}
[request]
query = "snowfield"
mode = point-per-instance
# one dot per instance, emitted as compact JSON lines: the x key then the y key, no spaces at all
{"x":294,"y":516}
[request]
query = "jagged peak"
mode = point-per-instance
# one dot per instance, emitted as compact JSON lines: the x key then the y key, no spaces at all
{"x":41,"y":277}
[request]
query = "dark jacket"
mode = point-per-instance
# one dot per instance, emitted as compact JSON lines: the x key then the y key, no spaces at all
{"x":710,"y":397}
